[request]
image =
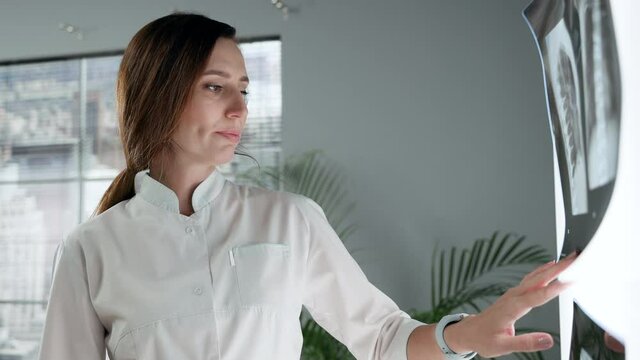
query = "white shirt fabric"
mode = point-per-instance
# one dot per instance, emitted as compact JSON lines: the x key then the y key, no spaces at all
{"x":145,"y":282}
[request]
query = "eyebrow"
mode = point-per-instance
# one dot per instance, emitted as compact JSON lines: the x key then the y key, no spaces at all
{"x":224,"y":74}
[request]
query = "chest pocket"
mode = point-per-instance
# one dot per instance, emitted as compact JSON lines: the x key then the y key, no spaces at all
{"x":264,"y":274}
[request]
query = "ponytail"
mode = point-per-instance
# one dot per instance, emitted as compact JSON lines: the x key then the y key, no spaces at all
{"x":121,"y":188}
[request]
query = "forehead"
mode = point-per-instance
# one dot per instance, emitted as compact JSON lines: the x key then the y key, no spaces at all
{"x":226,"y":54}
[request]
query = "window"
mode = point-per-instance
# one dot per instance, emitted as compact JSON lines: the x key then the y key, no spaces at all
{"x":60,"y":150}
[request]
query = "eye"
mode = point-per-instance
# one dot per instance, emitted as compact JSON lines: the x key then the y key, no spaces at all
{"x":214,"y":88}
{"x":245,"y":95}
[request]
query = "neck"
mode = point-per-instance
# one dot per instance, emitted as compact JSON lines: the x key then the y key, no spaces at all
{"x":181,"y":176}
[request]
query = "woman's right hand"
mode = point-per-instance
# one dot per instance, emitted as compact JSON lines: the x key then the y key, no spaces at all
{"x":491,"y":333}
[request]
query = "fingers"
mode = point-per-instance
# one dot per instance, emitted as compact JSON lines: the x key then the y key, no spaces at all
{"x":547,"y":273}
{"x":536,"y":289}
{"x":528,"y":342}
{"x":544,"y":294}
{"x":531,"y":342}
{"x":613,"y":344}
{"x":521,"y":302}
{"x":538,"y":270}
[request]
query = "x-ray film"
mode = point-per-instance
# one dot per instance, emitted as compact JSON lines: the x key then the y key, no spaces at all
{"x":582,"y":82}
{"x":578,"y":50}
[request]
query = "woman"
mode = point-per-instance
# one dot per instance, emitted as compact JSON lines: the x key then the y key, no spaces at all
{"x":181,"y":264}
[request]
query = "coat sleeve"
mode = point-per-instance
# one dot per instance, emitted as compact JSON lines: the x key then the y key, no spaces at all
{"x":339,"y":297}
{"x":72,"y":329}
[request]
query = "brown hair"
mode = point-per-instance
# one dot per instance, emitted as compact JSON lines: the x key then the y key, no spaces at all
{"x":155,"y":79}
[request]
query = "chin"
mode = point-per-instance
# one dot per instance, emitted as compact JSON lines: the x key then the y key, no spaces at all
{"x":223,"y":159}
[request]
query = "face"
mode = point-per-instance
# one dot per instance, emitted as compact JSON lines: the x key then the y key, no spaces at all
{"x":213,"y":120}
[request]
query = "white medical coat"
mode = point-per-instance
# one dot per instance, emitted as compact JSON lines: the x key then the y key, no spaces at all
{"x":145,"y":282}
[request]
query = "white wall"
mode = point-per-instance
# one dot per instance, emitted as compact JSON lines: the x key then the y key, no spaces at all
{"x":436,"y":108}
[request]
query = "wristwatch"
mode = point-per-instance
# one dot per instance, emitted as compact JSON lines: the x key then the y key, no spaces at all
{"x":448,"y":353}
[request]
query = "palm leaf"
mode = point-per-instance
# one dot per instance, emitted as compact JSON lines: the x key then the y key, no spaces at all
{"x":456,"y":274}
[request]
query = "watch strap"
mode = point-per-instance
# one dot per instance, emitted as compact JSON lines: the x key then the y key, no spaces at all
{"x":446,"y":350}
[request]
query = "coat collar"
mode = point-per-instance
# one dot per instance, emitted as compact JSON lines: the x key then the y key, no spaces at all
{"x":158,"y":194}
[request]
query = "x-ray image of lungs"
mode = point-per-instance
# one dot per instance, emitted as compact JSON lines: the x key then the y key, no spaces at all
{"x":601,"y":88}
{"x":578,"y":50}
{"x":562,"y":75}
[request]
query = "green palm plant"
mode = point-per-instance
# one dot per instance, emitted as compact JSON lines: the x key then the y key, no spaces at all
{"x":460,"y":278}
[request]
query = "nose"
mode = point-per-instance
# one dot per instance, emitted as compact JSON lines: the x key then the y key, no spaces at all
{"x":237,"y":107}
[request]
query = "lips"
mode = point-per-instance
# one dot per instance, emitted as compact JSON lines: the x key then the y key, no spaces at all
{"x":232,"y":135}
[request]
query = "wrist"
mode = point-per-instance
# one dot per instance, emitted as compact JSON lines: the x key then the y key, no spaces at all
{"x":459,"y":335}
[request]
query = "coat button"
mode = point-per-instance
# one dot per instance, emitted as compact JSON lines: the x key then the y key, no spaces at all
{"x":197,"y":291}
{"x":188,"y":230}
